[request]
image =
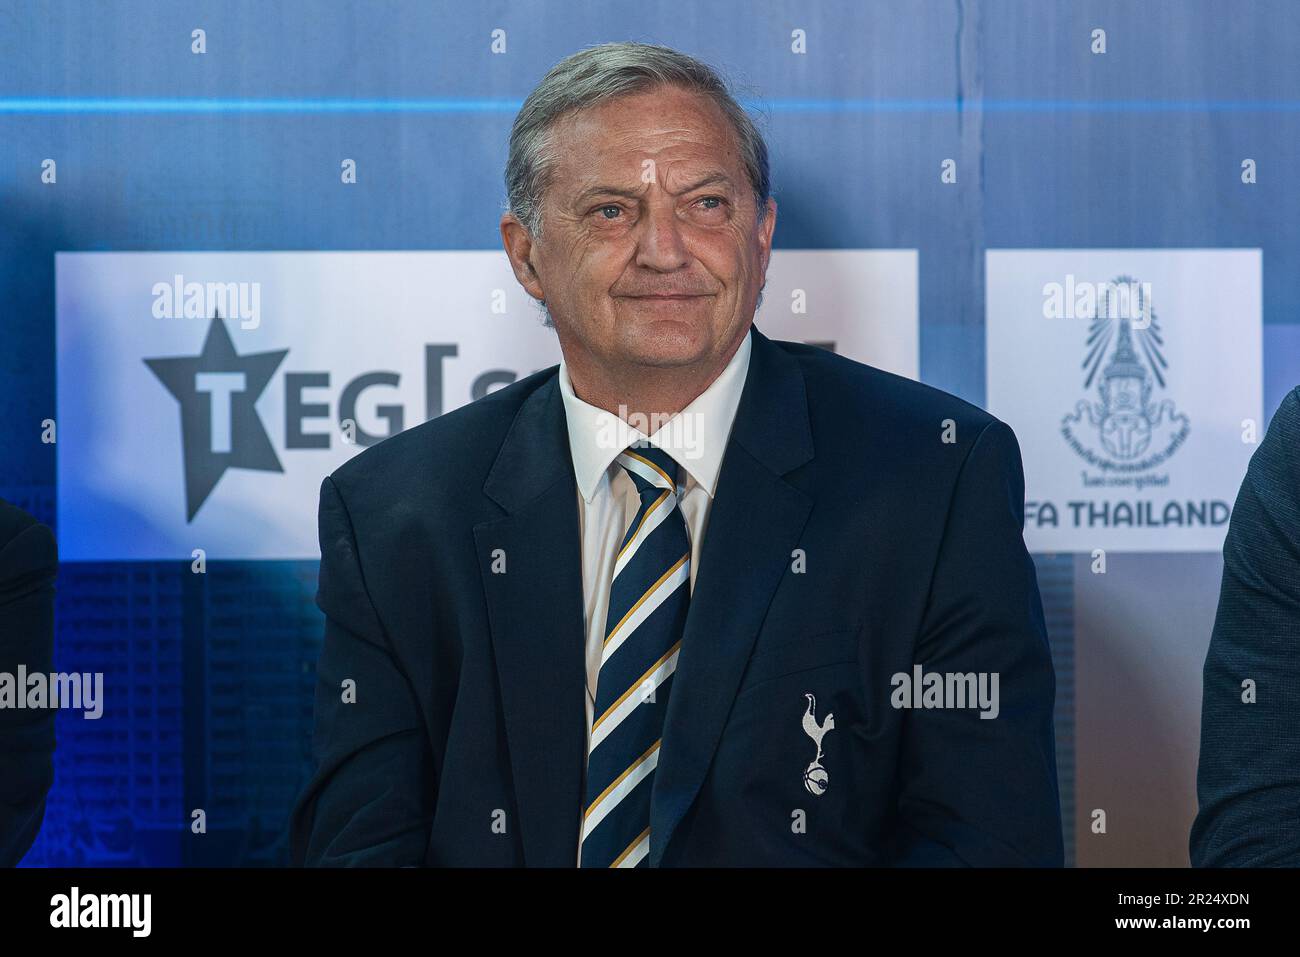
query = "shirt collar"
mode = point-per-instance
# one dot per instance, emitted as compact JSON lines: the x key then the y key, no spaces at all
{"x":696,"y":437}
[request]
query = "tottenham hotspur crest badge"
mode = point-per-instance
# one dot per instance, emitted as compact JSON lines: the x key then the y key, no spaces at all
{"x":815,"y":778}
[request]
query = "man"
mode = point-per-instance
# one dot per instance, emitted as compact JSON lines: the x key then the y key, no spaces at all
{"x":1248,"y":780}
{"x":28,"y":565}
{"x":534,"y":652}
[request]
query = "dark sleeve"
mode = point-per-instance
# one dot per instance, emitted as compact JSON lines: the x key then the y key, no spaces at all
{"x":1248,"y":780}
{"x":28,"y":565}
{"x":370,"y":800}
{"x":983,"y":791}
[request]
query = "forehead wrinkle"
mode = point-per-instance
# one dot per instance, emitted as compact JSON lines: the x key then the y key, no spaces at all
{"x":573,"y":139}
{"x":573,"y":131}
{"x":707,"y":177}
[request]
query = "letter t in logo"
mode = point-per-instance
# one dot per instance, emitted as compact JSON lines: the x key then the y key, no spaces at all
{"x":220,"y":429}
{"x":221,"y":386}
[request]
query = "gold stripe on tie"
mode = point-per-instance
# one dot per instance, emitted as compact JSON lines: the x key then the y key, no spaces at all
{"x":631,"y":847}
{"x":640,"y":525}
{"x":615,"y":783}
{"x":649,"y":591}
{"x":636,"y":684}
{"x":630,"y":454}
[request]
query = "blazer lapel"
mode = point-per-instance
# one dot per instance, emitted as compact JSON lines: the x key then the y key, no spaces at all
{"x":755,"y":523}
{"x":536,"y":617}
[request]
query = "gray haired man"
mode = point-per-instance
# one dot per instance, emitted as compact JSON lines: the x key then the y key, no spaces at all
{"x":643,"y":608}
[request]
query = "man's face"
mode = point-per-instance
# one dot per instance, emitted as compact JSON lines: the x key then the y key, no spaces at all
{"x":650,"y":250}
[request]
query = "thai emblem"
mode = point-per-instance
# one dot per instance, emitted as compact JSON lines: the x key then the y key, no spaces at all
{"x":1129,"y":429}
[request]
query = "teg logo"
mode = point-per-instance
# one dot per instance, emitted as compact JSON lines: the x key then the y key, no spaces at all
{"x":220,"y":429}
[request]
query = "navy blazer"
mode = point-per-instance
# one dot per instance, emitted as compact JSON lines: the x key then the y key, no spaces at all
{"x":847,"y":542}
{"x":1248,"y":779}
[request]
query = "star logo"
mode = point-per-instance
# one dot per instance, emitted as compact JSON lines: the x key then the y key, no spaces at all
{"x":220,"y":429}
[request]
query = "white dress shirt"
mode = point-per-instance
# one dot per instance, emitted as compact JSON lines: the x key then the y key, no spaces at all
{"x":608,"y":501}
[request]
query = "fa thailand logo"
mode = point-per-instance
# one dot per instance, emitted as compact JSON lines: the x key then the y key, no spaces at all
{"x":815,"y":778}
{"x":1130,"y":429}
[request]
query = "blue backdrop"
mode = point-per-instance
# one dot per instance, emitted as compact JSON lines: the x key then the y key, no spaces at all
{"x":237,"y":149}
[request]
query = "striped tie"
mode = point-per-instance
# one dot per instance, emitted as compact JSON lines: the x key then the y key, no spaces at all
{"x":643,"y":632}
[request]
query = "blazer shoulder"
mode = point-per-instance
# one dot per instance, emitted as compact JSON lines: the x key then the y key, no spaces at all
{"x":1270,"y":494}
{"x":28,"y":553}
{"x":455,"y":449}
{"x":1282,"y":441}
{"x":885,"y":399}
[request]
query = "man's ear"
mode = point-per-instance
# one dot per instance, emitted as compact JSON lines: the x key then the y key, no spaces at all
{"x":519,"y":248}
{"x":768,"y":227}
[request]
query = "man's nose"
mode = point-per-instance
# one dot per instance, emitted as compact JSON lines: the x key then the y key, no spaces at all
{"x":660,"y":245}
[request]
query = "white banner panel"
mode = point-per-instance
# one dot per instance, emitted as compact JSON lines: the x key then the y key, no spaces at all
{"x":1133,"y":380}
{"x":862,"y":302}
{"x":178,"y":432}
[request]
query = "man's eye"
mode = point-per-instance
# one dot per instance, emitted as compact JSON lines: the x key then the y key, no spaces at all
{"x":604,"y":210}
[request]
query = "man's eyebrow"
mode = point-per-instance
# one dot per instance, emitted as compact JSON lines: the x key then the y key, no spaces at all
{"x":591,"y":192}
{"x":707,"y":180}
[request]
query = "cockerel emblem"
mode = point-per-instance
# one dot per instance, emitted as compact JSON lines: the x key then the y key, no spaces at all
{"x":815,"y":778}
